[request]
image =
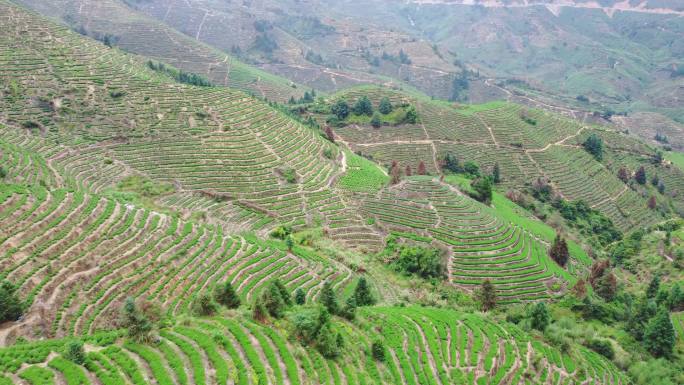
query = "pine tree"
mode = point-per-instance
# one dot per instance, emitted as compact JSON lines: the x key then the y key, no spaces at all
{"x":225,"y":295}
{"x":652,"y":203}
{"x":363,"y":106}
{"x":259,"y":312}
{"x":408,"y":171}
{"x":329,"y":299}
{"x":284,"y":293}
{"x":349,"y":309}
{"x":559,"y":251}
{"x":300,"y":296}
{"x":421,"y":168}
{"x":326,"y":342}
{"x":340,"y":109}
{"x":411,"y":115}
{"x":385,"y":106}
{"x":659,"y":337}
{"x":289,"y":242}
{"x":594,"y":146}
{"x":496,"y":173}
{"x":640,"y":175}
{"x":653,"y":287}
{"x":362,"y":293}
{"x":273,"y":301}
{"x":487,"y":295}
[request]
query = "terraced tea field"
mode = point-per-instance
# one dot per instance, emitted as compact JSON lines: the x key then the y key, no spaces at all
{"x":482,"y":244}
{"x":424,"y":346}
{"x":525,"y":143}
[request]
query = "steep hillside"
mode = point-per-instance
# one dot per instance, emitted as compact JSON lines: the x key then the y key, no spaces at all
{"x":110,"y":109}
{"x":114,"y":22}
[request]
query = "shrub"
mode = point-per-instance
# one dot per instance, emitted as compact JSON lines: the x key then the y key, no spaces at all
{"x":378,"y":350}
{"x":138,"y":325}
{"x":225,"y":295}
{"x":376,"y":121}
{"x":559,"y":250}
{"x":300,"y":296}
{"x":471,"y":168}
{"x":602,"y":347}
{"x":281,"y":232}
{"x":204,"y":305}
{"x":483,"y":190}
{"x":75,"y":353}
{"x":640,"y":175}
{"x":411,"y":115}
{"x":487,"y":295}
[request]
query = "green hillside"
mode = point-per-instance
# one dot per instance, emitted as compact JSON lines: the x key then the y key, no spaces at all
{"x":160,"y":229}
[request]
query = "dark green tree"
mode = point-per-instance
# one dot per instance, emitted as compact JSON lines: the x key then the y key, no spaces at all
{"x":362,"y":293}
{"x":452,"y":163}
{"x":659,"y":337}
{"x":539,"y":316}
{"x":138,"y":325}
{"x":496,"y":173}
{"x":653,"y":287}
{"x":284,"y":293}
{"x":385,"y":106}
{"x":378,"y":351}
{"x":487,"y":295}
{"x":348,"y":311}
{"x":594,"y":145}
{"x":471,"y":168}
{"x":274,"y":300}
{"x":340,"y":109}
{"x":329,"y":299}
{"x":300,"y":296}
{"x":326,"y":342}
{"x":11,"y":307}
{"x":74,"y":352}
{"x":363,"y":106}
{"x":411,"y":115}
{"x":3,"y":173}
{"x":225,"y":295}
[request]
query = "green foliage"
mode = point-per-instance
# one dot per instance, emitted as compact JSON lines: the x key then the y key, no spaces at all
{"x":411,"y":115}
{"x":348,"y":311}
{"x":421,"y":261}
{"x":363,"y":106}
{"x":378,"y":351}
{"x":327,"y":342}
{"x":11,"y":307}
{"x":487,"y":295}
{"x":274,"y":299}
{"x":281,"y":232}
{"x":483,"y":190}
{"x":300,"y":296}
{"x":452,"y":163}
{"x":376,"y":121}
{"x":204,"y":305}
{"x":385,"y":106}
{"x":179,"y":75}
{"x":471,"y":168}
{"x":659,"y":337}
{"x":144,"y":186}
{"x":602,"y":347}
{"x":340,"y":109}
{"x":653,"y":287}
{"x":225,"y":295}
{"x":362,"y":293}
{"x":653,"y":372}
{"x":594,"y":145}
{"x":590,"y":222}
{"x":539,"y":316}
{"x":3,"y":173}
{"x":138,"y":325}
{"x":328,"y":298}
{"x":75,"y":353}
{"x":496,"y":173}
